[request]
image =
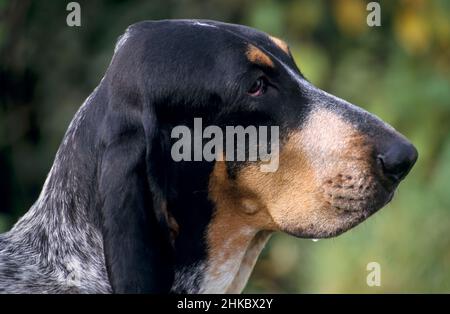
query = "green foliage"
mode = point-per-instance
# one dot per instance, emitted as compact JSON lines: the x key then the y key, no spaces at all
{"x":400,"y":71}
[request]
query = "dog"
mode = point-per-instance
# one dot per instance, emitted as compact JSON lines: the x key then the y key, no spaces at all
{"x":118,"y":215}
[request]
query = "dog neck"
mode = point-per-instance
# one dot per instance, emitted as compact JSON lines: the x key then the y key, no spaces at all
{"x":227,"y":268}
{"x":219,"y":240}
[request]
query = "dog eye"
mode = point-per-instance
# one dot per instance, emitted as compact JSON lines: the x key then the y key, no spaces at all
{"x":259,"y":87}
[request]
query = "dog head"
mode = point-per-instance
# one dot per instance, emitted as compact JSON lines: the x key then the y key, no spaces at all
{"x":337,"y":164}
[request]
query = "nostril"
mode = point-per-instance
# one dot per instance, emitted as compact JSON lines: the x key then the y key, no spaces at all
{"x":392,"y":171}
{"x":397,"y":161}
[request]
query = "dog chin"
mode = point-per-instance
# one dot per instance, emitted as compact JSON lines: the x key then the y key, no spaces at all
{"x":342,"y":222}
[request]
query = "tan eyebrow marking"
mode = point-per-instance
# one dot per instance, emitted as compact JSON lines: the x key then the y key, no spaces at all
{"x":280,"y":43}
{"x":256,"y":55}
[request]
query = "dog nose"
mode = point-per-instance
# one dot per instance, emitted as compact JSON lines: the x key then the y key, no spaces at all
{"x":398,"y":160}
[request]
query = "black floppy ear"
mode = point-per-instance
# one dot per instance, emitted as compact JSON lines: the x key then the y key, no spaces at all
{"x":137,"y":247}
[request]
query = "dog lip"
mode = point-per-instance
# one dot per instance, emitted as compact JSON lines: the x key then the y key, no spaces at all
{"x":354,"y":219}
{"x":383,"y":201}
{"x":356,"y":216}
{"x":349,"y":218}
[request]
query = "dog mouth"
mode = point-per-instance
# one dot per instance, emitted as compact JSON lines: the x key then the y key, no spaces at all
{"x":351,"y":211}
{"x":344,"y":209}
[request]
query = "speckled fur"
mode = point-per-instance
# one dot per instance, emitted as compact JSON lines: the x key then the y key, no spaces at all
{"x":55,"y":247}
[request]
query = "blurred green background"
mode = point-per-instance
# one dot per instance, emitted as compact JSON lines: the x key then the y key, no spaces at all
{"x":400,"y":71}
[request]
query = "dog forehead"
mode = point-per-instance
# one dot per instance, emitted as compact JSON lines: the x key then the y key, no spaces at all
{"x":206,"y":41}
{"x":272,"y":44}
{"x":206,"y":32}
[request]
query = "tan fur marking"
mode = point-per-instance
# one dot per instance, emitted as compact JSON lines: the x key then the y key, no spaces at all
{"x":323,"y":183}
{"x":297,"y":196}
{"x":238,"y":218}
{"x":289,"y":189}
{"x":280,"y":43}
{"x":256,"y":55}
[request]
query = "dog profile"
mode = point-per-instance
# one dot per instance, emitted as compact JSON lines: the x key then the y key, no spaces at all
{"x":118,"y":214}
